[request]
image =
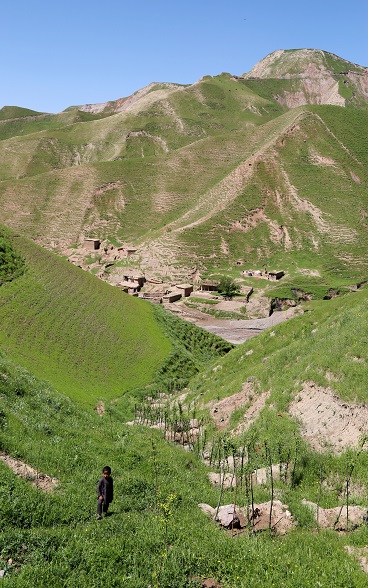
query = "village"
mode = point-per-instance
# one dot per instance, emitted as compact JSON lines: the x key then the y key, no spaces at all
{"x":156,"y":290}
{"x":237,"y":319}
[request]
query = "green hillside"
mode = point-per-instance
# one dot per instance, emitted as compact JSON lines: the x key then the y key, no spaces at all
{"x":9,"y":112}
{"x":90,"y":340}
{"x":157,"y":535}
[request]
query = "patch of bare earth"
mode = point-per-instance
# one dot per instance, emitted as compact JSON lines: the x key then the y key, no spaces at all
{"x":327,"y":421}
{"x":318,"y":159}
{"x":38,"y":479}
{"x":338,"y":518}
{"x":360,"y":554}
{"x":206,"y":582}
{"x":252,"y":413}
{"x":222,"y":410}
{"x":100,"y":408}
{"x":356,"y":178}
{"x":309,"y":272}
{"x":273,"y":515}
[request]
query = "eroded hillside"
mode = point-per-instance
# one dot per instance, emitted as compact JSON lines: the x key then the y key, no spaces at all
{"x":198,"y":177}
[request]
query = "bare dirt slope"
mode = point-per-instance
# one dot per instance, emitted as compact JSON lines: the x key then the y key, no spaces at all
{"x":328,"y":422}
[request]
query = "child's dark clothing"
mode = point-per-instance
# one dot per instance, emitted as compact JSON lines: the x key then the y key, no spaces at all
{"x":105,"y":488}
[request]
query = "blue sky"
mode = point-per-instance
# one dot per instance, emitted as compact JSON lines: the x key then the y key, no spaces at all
{"x":56,"y":54}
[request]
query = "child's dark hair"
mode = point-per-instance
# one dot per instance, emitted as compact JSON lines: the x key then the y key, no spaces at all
{"x":107,"y":469}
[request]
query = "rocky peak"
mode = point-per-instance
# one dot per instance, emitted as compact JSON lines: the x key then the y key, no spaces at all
{"x":316,"y":77}
{"x":302,"y":63}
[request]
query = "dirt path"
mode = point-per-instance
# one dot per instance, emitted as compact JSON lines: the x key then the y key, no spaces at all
{"x":38,"y":479}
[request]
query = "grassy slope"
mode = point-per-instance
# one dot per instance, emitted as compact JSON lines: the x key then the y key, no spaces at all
{"x":7,"y":112}
{"x":141,"y":171}
{"x":338,"y":252}
{"x":227,"y":107}
{"x":329,"y":337}
{"x":53,"y":539}
{"x":89,"y":339}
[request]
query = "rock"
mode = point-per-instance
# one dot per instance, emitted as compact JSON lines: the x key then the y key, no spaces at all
{"x":227,"y":480}
{"x":335,"y":518}
{"x":207,"y":509}
{"x":229,"y":517}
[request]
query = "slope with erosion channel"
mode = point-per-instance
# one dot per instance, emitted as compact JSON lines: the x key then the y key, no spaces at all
{"x":301,"y":190}
{"x":140,"y":164}
{"x":89,"y":339}
{"x":314,"y":367}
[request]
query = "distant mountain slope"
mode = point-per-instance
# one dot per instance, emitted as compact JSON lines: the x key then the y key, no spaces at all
{"x":136,"y":101}
{"x":200,"y":176}
{"x":12,"y":112}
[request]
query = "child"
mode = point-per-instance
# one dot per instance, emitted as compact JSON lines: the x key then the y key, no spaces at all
{"x":105,"y":492}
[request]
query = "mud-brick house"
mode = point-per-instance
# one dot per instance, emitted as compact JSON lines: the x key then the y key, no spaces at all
{"x":171,"y":297}
{"x":127,"y":250}
{"x":133,"y":288}
{"x":135,"y":278}
{"x":92,"y":244}
{"x":209,"y":286}
{"x":275,"y":275}
{"x":185,"y":289}
{"x":155,"y":297}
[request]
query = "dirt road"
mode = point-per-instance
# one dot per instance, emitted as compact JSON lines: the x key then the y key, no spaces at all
{"x":235,"y":331}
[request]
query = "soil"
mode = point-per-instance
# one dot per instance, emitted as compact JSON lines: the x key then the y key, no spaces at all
{"x":360,"y":554}
{"x":336,"y":518}
{"x":38,"y":479}
{"x":100,"y":408}
{"x":222,"y":410}
{"x":328,"y":423}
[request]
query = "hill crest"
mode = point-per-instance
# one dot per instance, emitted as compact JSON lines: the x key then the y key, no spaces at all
{"x":294,"y":63}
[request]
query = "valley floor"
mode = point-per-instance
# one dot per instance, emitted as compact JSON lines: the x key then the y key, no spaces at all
{"x":234,"y":331}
